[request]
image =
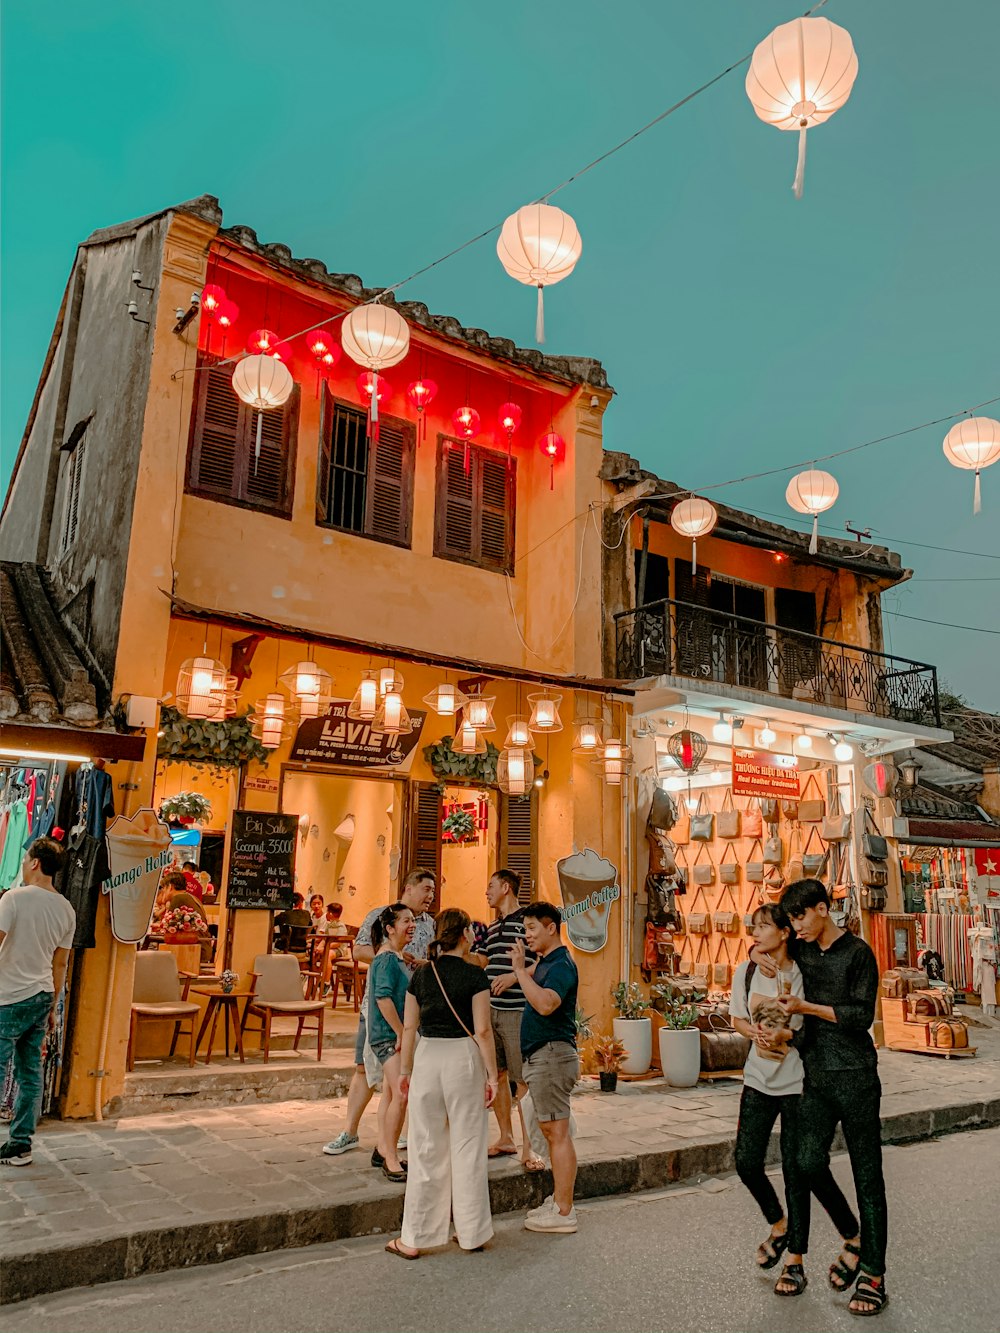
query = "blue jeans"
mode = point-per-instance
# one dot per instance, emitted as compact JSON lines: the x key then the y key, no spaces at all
{"x":22,"y":1031}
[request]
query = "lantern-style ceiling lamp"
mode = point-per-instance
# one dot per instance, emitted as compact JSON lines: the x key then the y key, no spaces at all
{"x":880,"y":776}
{"x":553,"y":446}
{"x":539,"y":245}
{"x":204,"y":690}
{"x":694,"y":518}
{"x":479,"y":712}
{"x":272,"y":719}
{"x":212,"y":297}
{"x":515,"y":770}
{"x":799,"y":76}
{"x":812,"y":492}
{"x":375,"y":336}
{"x":973,"y":443}
{"x":265,"y":384}
{"x":722,"y":731}
{"x":545,"y":712}
{"x":364,"y":705}
{"x":421,"y":394}
{"x":263,"y":342}
{"x":518,"y":732}
{"x":617,"y":760}
{"x":909,"y":772}
{"x":309,"y":686}
{"x":469,"y":740}
{"x":445,"y":699}
{"x":508,"y":419}
{"x":392,"y":719}
{"x":589,"y":736}
{"x":687,"y":749}
{"x":389,"y":679}
{"x":465,"y":422}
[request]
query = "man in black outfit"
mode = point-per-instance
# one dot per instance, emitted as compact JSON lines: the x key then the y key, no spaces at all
{"x":840,"y":979}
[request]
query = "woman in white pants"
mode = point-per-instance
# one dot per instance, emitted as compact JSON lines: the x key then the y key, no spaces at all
{"x":448,"y":1081}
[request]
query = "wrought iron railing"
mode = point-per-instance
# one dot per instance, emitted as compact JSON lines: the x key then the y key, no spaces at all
{"x":670,"y":638}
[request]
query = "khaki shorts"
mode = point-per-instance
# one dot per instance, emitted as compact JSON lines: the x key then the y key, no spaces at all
{"x":551,"y":1073}
{"x":507,"y":1036}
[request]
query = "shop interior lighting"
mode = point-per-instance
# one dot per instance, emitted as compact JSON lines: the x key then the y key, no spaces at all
{"x":674,"y":783}
{"x":388,"y":679}
{"x":479,"y":712}
{"x":545,"y":711}
{"x":722,"y":731}
{"x":843,"y":751}
{"x":364,"y":705}
{"x":803,"y":741}
{"x":445,"y":699}
{"x":767,"y":734}
{"x":518,"y":732}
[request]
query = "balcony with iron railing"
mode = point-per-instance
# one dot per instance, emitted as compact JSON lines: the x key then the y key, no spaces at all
{"x":671,"y":638}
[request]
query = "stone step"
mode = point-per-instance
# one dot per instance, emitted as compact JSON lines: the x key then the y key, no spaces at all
{"x":171,"y":1086}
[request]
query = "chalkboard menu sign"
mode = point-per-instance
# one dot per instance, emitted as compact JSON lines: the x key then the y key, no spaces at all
{"x":262,"y":861}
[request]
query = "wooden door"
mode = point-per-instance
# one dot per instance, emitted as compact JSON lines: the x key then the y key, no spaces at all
{"x":424,"y":841}
{"x":518,"y":850}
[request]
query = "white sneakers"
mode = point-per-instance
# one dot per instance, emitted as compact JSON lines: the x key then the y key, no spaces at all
{"x":547,"y":1217}
{"x":344,"y":1142}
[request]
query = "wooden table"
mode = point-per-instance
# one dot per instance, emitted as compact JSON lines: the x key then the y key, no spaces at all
{"x":228,"y":1001}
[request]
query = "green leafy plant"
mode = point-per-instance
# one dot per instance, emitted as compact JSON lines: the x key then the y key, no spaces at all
{"x":445,"y":763}
{"x":610,"y":1054}
{"x":679,"y":1015}
{"x":662,"y":995}
{"x":227,"y":743}
{"x":459,"y":826}
{"x":582,"y":1021}
{"x":629,"y":1000}
{"x":187,"y":805}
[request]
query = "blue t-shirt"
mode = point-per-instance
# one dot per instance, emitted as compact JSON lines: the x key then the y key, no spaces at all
{"x":387,"y":980}
{"x":556,"y":971}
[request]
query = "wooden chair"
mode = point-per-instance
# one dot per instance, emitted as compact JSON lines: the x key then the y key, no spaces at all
{"x":276,"y":990}
{"x":158,"y":995}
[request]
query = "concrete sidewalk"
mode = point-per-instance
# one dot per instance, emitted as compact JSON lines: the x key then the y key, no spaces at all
{"x":156,"y":1192}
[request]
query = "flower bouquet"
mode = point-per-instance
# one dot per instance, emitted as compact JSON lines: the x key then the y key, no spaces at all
{"x":228,"y":980}
{"x":183,"y":925}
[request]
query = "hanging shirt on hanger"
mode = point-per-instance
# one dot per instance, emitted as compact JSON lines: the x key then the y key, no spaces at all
{"x":10,"y":858}
{"x":80,"y":883}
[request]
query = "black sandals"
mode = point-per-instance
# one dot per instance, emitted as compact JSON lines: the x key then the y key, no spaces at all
{"x":794,"y":1277}
{"x":872,"y":1291}
{"x":842,"y":1274}
{"x":770,"y":1251}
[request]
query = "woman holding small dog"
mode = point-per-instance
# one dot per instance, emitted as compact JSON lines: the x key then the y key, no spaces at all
{"x":772,"y":1088}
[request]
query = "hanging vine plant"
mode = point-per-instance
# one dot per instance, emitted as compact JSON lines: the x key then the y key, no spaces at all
{"x":444,"y":762}
{"x":224,"y":744}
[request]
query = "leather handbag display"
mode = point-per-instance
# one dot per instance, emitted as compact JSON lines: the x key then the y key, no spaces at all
{"x":873,"y":844}
{"x":873,"y":875}
{"x":752,"y":821}
{"x":948,"y":1034}
{"x":727,"y":821}
{"x":660,"y":909}
{"x":663,"y":812}
{"x":755,"y":869}
{"x":873,"y":898}
{"x":662,"y":860}
{"x":794,"y":869}
{"x":769,"y":810}
{"x":774,"y":851}
{"x":658,"y":949}
{"x":790,"y":811}
{"x":726,"y":920}
{"x":701,"y":969}
{"x":699,"y":922}
{"x":680,"y":834}
{"x":682,"y":874}
{"x":729,"y":871}
{"x":813,"y":809}
{"x":813,"y":863}
{"x":836,"y":825}
{"x":702,"y":821}
{"x":703,"y":872}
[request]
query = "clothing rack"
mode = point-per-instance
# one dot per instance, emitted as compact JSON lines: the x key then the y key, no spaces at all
{"x":947,"y":934}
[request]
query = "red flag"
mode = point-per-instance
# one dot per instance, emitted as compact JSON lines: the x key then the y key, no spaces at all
{"x":987,"y":861}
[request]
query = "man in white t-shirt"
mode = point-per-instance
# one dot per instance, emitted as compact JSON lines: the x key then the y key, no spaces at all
{"x":37,"y":926}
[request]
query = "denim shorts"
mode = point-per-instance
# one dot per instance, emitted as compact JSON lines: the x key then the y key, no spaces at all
{"x":384,"y":1050}
{"x":359,"y":1045}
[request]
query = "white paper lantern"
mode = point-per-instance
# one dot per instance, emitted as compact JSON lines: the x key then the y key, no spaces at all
{"x":515,"y":770}
{"x":271,"y":718}
{"x":539,"y":245}
{"x":310,"y":687}
{"x":799,"y":75}
{"x":973,"y":443}
{"x":376,"y":336}
{"x":812,"y":492}
{"x":264,"y":383}
{"x":694,"y":518}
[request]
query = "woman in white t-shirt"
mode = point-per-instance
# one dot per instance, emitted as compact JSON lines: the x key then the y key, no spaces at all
{"x":772,"y":1088}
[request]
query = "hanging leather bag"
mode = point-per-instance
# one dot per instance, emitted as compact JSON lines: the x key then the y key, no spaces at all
{"x":662,"y":860}
{"x":727,"y":821}
{"x":752,"y":821}
{"x":721,"y":967}
{"x":769,"y":810}
{"x":813,"y":863}
{"x":680,"y":834}
{"x":703,"y":872}
{"x":836,"y":825}
{"x":813,"y":809}
{"x":774,"y":851}
{"x":702,"y":967}
{"x":729,"y":871}
{"x":699,"y":922}
{"x":794,"y":869}
{"x":874,"y":876}
{"x":660,"y":909}
{"x":726,"y":920}
{"x":774,"y":883}
{"x":873,"y":844}
{"x":873,"y":898}
{"x":663,"y":812}
{"x":703,"y":822}
{"x":790,"y":810}
{"x":755,"y":869}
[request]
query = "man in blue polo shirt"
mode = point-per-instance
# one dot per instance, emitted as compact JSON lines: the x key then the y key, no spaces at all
{"x":548,"y":1050}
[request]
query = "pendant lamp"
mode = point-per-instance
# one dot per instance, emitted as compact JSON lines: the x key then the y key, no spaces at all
{"x":812,"y":492}
{"x":375,"y":336}
{"x":545,"y":712}
{"x":539,"y":245}
{"x":364,"y":705}
{"x":973,"y":443}
{"x":518,"y":732}
{"x":309,"y":686}
{"x":392,"y":719}
{"x":478,"y":712}
{"x":445,"y":700}
{"x":271,"y":718}
{"x":687,"y":749}
{"x":469,"y":740}
{"x":265,"y":384}
{"x":616,"y":760}
{"x":204,"y":690}
{"x":693,"y":518}
{"x":515,"y":771}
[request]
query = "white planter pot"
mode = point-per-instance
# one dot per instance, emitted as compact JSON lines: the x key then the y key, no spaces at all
{"x":636,"y":1035}
{"x":680,"y":1056}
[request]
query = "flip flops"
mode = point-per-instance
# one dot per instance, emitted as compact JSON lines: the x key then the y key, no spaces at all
{"x":393,"y":1248}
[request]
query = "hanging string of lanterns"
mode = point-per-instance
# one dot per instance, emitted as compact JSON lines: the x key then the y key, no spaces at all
{"x":539,"y":245}
{"x":973,"y":444}
{"x":378,"y":337}
{"x":693,"y":518}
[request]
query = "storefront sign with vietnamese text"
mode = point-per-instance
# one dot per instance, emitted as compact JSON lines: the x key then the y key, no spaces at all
{"x":335,"y":738}
{"x":759,"y":773}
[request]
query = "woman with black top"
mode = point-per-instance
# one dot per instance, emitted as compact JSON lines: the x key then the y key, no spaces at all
{"x":449,"y":1080}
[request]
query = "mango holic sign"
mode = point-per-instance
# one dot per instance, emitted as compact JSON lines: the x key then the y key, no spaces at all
{"x":138,"y":849}
{"x":335,"y":738}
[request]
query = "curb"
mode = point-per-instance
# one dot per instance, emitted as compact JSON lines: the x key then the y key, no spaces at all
{"x":161,"y":1249}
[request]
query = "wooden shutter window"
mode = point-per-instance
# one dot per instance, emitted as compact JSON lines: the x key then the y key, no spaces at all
{"x":390,"y":484}
{"x":218,"y":429}
{"x":426,"y":813}
{"x":365,"y":486}
{"x":519,"y":841}
{"x":456,"y":504}
{"x":474,"y":518}
{"x":496,"y":511}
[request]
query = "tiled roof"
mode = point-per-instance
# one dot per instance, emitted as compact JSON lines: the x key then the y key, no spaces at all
{"x":43,"y":677}
{"x":931,"y":802}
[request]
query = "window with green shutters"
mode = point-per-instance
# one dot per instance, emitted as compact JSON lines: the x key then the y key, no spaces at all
{"x":474,"y":515}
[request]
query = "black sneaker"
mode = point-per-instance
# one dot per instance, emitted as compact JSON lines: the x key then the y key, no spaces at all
{"x":377,"y":1158}
{"x":12,"y":1155}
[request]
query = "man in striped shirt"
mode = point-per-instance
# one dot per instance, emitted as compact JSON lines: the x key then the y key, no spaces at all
{"x":506,"y":1008}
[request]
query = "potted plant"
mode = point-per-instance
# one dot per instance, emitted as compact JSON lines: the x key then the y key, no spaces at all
{"x":187,"y":807}
{"x":680,"y":1043}
{"x":183,"y":925}
{"x":632,"y":1028}
{"x":459,"y":826}
{"x":610,"y":1055}
{"x":228,"y":980}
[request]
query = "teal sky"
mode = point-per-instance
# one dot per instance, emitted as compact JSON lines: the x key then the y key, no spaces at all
{"x":742,"y":330}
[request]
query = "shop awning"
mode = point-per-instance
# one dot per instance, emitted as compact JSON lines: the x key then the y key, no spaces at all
{"x":55,"y":742}
{"x":970,"y":833}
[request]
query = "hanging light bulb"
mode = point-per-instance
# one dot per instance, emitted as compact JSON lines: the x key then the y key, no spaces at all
{"x":718,"y":776}
{"x":843,"y":751}
{"x":588,"y":736}
{"x":445,"y":700}
{"x":469,"y":740}
{"x":465,"y":421}
{"x":553,"y":446}
{"x":767,"y":735}
{"x":508,"y":419}
{"x":262,"y":342}
{"x":694,"y":518}
{"x":722,"y":732}
{"x":364,"y":705}
{"x":804,"y":741}
{"x":545,"y":711}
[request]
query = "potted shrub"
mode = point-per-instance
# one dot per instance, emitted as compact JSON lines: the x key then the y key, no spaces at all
{"x":610,"y":1055}
{"x":632,"y":1028}
{"x":187,"y":807}
{"x":680,"y":1043}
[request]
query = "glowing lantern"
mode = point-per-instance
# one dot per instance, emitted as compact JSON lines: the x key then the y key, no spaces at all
{"x":812,"y":492}
{"x":262,"y":342}
{"x":388,"y":679}
{"x":367,"y":381}
{"x":392,"y":719}
{"x":588,"y":736}
{"x":545,"y":711}
{"x":421,"y":394}
{"x":514,"y":771}
{"x":508,"y":419}
{"x":469,"y":740}
{"x":617,"y":760}
{"x":325,"y":351}
{"x":282,"y":352}
{"x":799,"y":76}
{"x":693,"y":518}
{"x":270,"y":717}
{"x":465,"y":421}
{"x":479,"y":712}
{"x":445,"y":700}
{"x":265,"y":384}
{"x":376,"y":336}
{"x":880,"y":777}
{"x":310,"y":687}
{"x":539,"y":245}
{"x":972,"y":444}
{"x":212,"y":297}
{"x":518,"y":732}
{"x":203,"y":689}
{"x":227,"y":314}
{"x":553,"y":446}
{"x":687,"y":749}
{"x":364,"y":705}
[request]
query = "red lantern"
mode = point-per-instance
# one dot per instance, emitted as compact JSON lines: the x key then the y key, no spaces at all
{"x":262,"y":342}
{"x":212,"y":297}
{"x":466,"y":422}
{"x":282,"y":352}
{"x":553,"y":446}
{"x":227,"y":313}
{"x":326,"y":352}
{"x":365,"y":382}
{"x":421,"y":394}
{"x":509,"y":418}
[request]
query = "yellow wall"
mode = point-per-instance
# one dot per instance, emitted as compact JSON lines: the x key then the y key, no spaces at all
{"x":466,"y":867}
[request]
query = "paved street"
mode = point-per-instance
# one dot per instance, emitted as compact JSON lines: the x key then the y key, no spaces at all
{"x":676,"y":1260}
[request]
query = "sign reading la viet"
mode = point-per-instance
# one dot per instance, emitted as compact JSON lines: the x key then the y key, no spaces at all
{"x":758,"y":773}
{"x":336,"y":738}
